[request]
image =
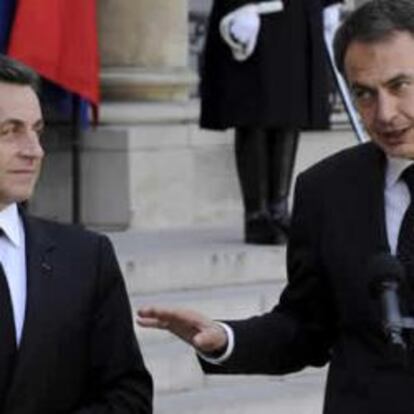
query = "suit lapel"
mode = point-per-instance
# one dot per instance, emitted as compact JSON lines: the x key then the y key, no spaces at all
{"x":356,"y":230}
{"x":39,"y":257}
{"x":370,"y":200}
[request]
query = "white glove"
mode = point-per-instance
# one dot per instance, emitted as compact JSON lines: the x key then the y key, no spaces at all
{"x":331,"y":20}
{"x":245,"y":24}
{"x":240,"y":29}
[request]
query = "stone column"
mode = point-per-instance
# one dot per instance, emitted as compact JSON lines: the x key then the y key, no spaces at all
{"x":144,"y":50}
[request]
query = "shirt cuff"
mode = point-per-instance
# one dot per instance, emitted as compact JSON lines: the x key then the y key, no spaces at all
{"x":218,"y":360}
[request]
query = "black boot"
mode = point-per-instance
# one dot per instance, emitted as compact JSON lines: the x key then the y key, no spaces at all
{"x":251,"y":161}
{"x":283,"y":145}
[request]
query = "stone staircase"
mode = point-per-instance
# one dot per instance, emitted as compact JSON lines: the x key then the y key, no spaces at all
{"x":209,"y":268}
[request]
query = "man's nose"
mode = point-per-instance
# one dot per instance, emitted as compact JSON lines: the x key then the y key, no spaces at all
{"x":31,"y":146}
{"x":387,"y":109}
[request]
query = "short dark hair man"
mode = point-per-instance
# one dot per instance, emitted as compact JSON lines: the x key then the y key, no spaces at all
{"x":67,"y":341}
{"x":348,"y":209}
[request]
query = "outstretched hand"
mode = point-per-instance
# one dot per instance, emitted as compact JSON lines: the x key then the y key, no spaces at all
{"x":194,"y":328}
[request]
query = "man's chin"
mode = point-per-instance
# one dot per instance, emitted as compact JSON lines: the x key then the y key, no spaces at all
{"x":21,"y":196}
{"x":400,"y":151}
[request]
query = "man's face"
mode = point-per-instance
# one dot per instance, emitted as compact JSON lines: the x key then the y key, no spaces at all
{"x":381,"y":78}
{"x":20,"y":151}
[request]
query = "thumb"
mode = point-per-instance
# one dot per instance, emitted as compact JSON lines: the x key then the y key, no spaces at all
{"x":210,"y":340}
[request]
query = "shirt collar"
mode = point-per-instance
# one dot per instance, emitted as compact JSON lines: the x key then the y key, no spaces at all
{"x":395,"y":167}
{"x":10,"y":223}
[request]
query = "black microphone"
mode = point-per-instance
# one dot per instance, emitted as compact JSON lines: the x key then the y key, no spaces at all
{"x":387,"y":275}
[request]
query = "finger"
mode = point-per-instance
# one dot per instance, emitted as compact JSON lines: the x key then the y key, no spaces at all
{"x":172,"y":315}
{"x":149,"y":311}
{"x":152,"y":323}
{"x":161,"y":315}
{"x":174,"y":320}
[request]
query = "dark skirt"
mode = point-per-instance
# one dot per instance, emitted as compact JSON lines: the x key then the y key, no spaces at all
{"x":283,"y":84}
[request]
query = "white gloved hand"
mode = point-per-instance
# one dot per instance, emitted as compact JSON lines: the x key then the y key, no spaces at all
{"x":331,"y":20}
{"x":245,"y":24}
{"x":240,"y":30}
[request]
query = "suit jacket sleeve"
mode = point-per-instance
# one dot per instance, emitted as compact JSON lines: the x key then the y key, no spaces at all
{"x":299,"y":331}
{"x":120,"y":382}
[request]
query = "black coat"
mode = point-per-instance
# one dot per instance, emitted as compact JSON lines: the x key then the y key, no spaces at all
{"x":327,"y":313}
{"x":283,"y":84}
{"x":78,"y":353}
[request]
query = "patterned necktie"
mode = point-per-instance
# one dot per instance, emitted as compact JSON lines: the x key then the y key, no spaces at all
{"x":8,"y":346}
{"x":405,"y":246}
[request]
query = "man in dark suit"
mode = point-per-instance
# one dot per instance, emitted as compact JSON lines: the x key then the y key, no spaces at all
{"x":348,"y":209}
{"x":67,"y":340}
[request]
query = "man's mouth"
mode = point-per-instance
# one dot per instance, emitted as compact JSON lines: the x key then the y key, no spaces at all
{"x":394,"y":136}
{"x":24,"y":172}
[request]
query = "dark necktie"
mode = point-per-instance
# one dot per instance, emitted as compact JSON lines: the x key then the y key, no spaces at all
{"x":7,"y":337}
{"x":405,"y":246}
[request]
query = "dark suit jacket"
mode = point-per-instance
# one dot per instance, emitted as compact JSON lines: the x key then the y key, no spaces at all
{"x":327,"y":311}
{"x":78,"y":353}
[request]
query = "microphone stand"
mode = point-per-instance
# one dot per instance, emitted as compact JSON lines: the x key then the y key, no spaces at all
{"x":388,"y":278}
{"x":396,"y":344}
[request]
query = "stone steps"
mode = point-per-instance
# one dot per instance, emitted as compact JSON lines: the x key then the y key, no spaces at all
{"x":183,"y":259}
{"x":254,"y":395}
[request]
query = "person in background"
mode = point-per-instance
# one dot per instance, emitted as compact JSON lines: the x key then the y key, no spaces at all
{"x":265,"y":74}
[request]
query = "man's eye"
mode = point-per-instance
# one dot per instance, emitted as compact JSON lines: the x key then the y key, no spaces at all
{"x":7,"y":129}
{"x":400,"y":85}
{"x":362,"y":95}
{"x":39,"y":131}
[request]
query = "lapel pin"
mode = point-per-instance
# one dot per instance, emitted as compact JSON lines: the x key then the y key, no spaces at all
{"x":46,"y":267}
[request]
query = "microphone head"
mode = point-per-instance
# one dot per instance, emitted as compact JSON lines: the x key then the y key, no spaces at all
{"x":385,"y":268}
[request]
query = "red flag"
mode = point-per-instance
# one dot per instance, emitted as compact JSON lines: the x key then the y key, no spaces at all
{"x":58,"y":38}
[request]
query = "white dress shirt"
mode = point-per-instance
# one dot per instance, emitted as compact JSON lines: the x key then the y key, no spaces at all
{"x":396,"y":198}
{"x":13,"y":258}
